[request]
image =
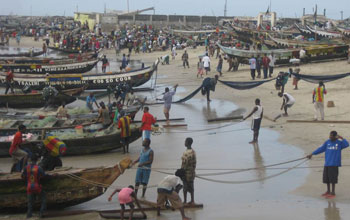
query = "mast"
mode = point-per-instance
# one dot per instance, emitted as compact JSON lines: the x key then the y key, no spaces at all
{"x":225,"y":9}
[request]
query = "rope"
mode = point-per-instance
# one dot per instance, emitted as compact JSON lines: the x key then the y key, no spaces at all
{"x":252,"y":180}
{"x":230,"y":171}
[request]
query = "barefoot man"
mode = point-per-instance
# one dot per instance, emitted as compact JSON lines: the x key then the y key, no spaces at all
{"x":168,"y":99}
{"x":257,"y":113}
{"x":332,"y":148}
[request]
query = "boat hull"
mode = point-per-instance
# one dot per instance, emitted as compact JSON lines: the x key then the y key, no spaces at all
{"x":36,"y":100}
{"x":91,"y":81}
{"x":61,"y":189}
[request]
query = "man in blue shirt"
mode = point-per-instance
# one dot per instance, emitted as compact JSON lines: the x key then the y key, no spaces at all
{"x":90,"y":100}
{"x":332,"y":149}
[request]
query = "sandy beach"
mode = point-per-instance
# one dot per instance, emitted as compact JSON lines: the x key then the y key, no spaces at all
{"x":295,"y":195}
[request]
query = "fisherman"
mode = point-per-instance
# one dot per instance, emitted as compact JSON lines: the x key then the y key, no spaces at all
{"x":230,"y":63}
{"x":62,"y":111}
{"x":295,"y":78}
{"x":44,"y":49}
{"x":252,"y":63}
{"x":15,"y":151}
{"x":185,"y":59}
{"x":219,"y":67}
{"x":147,"y":121}
{"x":272,"y":62}
{"x":189,"y":162}
{"x":206,"y":63}
{"x":33,"y":174}
{"x":9,"y":81}
{"x":103,"y":115}
{"x":104,"y":63}
{"x":265,"y":63}
{"x":200,"y":67}
{"x":318,"y":100}
{"x":168,"y":99}
{"x":173,"y":52}
{"x":288,"y":101}
{"x":145,"y":161}
{"x":258,"y":65}
{"x":209,"y":84}
{"x":332,"y":148}
{"x":168,"y":189}
{"x":124,"y":62}
{"x":235,"y":63}
{"x":257,"y":113}
{"x":125,"y":134}
{"x":90,"y":100}
{"x":127,"y":196}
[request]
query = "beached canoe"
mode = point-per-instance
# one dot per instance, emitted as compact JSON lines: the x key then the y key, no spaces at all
{"x":53,"y":67}
{"x":313,"y":53}
{"x":80,"y":144}
{"x":93,"y":81}
{"x":36,"y":100}
{"x":24,"y":54}
{"x":64,"y":187}
{"x":67,"y":50}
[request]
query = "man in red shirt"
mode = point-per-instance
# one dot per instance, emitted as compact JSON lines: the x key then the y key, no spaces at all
{"x":9,"y":81}
{"x":147,"y":121}
{"x":32,"y":174}
{"x":265,"y":62}
{"x":16,"y":153}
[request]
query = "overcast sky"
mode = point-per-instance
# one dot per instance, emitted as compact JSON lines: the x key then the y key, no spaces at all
{"x":284,"y":8}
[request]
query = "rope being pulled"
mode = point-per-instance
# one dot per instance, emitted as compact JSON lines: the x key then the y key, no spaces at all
{"x":201,"y":176}
{"x":252,"y":180}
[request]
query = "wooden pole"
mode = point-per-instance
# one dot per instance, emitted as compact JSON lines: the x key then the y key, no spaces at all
{"x":225,"y":118}
{"x":164,"y":120}
{"x":319,"y":122}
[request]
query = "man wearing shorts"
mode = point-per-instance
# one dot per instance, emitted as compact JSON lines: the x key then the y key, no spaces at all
{"x":332,"y":148}
{"x":145,"y":161}
{"x":168,"y":190}
{"x":168,"y":99}
{"x":257,"y":113}
{"x":16,"y":153}
{"x":127,"y":196}
{"x":147,"y":121}
{"x":288,"y":101}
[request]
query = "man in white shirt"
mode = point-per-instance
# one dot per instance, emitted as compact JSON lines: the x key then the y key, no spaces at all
{"x":288,"y":101}
{"x":252,"y":63}
{"x":302,"y":54}
{"x":257,"y":114}
{"x":271,"y":64}
{"x":206,"y":63}
{"x":168,"y":189}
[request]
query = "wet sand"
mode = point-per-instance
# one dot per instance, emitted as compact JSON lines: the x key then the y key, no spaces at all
{"x":294,"y":195}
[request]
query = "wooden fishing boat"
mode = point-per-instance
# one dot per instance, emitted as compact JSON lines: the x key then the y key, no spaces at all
{"x":304,"y":43}
{"x":67,"y":50}
{"x":35,"y":100}
{"x":64,"y":187}
{"x":344,"y":31}
{"x":324,"y":34}
{"x":53,"y":67}
{"x":192,"y":32}
{"x":80,"y":144}
{"x":314,"y":53}
{"x":24,"y":54}
{"x":93,"y":81}
{"x":10,"y":121}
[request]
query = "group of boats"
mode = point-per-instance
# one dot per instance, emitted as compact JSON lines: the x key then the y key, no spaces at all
{"x":81,"y":132}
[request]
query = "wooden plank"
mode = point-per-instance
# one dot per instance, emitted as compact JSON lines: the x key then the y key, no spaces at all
{"x":154,"y":204}
{"x":225,"y":118}
{"x":320,"y":122}
{"x":118,"y":216}
{"x":52,"y":214}
{"x":164,"y":120}
{"x":174,"y":125}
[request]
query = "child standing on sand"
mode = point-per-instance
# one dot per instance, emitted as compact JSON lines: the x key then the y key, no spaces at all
{"x":200,"y":67}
